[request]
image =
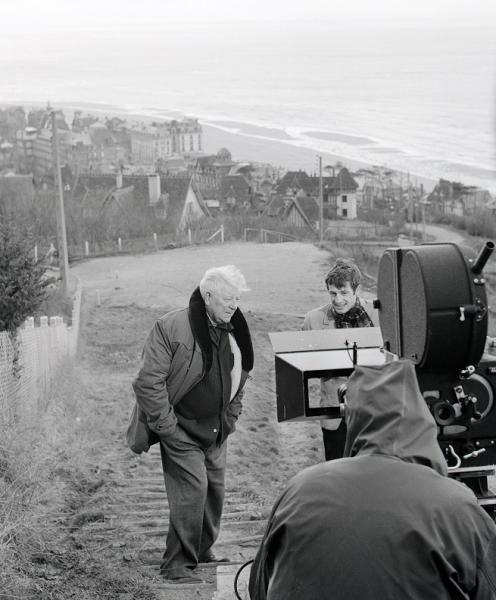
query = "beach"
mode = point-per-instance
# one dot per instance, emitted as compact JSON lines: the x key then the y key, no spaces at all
{"x":254,"y":147}
{"x":286,"y":95}
{"x":245,"y":142}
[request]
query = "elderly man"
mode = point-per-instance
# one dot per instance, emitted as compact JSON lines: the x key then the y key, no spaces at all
{"x":385,"y":522}
{"x":345,"y":309}
{"x":188,"y":393}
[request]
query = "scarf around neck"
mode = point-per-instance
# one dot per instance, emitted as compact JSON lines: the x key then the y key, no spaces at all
{"x":357,"y":316}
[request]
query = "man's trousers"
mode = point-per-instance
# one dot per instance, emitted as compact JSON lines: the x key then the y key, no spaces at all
{"x":194,"y":480}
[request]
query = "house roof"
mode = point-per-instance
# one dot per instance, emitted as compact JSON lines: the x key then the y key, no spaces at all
{"x":205,"y":162}
{"x":276,"y":207}
{"x":120,"y":199}
{"x":235,"y":185}
{"x":175,"y":190}
{"x":140,"y":185}
{"x":308,"y":208}
{"x":448,"y":190}
{"x":342,"y":182}
{"x":345,"y":181}
{"x":295,"y":180}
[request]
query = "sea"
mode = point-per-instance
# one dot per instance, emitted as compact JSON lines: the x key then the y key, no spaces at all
{"x":416,"y":97}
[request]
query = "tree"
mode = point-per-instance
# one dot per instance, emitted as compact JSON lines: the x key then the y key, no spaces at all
{"x":22,"y":280}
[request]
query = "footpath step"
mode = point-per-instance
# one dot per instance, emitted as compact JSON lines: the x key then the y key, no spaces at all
{"x":226,"y":576}
{"x":140,"y":512}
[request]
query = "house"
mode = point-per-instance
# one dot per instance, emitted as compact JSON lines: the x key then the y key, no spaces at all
{"x":82,"y":153}
{"x":454,"y":198}
{"x":105,"y":150}
{"x":338,"y":192}
{"x":299,"y":210}
{"x":181,"y":202}
{"x":296,"y":181}
{"x":339,"y":195}
{"x":277,"y":206}
{"x":303,"y":211}
{"x":149,"y":142}
{"x":235,"y":194}
{"x":34,"y":144}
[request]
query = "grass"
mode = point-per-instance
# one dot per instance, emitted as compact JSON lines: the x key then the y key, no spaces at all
{"x":49,"y":490}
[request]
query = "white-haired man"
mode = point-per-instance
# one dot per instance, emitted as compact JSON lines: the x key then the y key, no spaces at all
{"x":188,"y":394}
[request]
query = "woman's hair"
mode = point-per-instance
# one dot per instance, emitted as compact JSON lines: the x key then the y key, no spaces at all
{"x":344,"y":270}
{"x":217,"y":279}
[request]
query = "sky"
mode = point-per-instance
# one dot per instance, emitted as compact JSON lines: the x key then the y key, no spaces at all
{"x":25,"y":15}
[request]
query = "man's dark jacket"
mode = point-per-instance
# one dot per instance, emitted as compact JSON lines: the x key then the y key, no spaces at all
{"x":176,"y":356}
{"x":385,"y":522}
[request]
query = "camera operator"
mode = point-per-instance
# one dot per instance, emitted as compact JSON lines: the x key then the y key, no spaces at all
{"x":384,"y":522}
{"x":346,"y":309}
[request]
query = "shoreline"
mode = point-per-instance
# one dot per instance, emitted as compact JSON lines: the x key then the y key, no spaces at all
{"x":276,"y":146}
{"x":291,"y":156}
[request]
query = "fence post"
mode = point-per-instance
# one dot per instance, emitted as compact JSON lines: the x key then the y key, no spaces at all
{"x":155,"y":241}
{"x":222,"y":233}
{"x":36,"y":253}
{"x":189,"y":235}
{"x":261,"y":235}
{"x":86,"y":248}
{"x":29,"y":323}
{"x":44,"y":321}
{"x":119,"y":243}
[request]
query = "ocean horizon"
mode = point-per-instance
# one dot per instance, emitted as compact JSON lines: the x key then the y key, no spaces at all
{"x":419,"y":100}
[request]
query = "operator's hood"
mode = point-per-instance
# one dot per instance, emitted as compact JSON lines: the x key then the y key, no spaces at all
{"x":386,"y":414}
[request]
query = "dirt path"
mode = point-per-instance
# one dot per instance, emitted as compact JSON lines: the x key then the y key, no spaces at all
{"x":122,"y":525}
{"x":283,"y":277}
{"x":285,"y":281}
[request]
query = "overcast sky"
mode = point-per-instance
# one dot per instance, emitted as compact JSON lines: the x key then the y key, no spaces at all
{"x":16,"y":15}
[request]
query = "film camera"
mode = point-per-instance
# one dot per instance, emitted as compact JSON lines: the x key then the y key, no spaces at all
{"x":432,"y":306}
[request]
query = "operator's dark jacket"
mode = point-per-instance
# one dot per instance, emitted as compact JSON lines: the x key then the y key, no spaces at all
{"x":176,"y":357}
{"x":386,"y":524}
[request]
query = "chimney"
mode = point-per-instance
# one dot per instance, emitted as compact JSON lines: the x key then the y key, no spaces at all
{"x":118,"y":179}
{"x":153,"y":188}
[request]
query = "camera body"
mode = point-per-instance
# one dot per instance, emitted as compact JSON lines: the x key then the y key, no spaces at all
{"x":464,"y":410}
{"x":432,"y":307}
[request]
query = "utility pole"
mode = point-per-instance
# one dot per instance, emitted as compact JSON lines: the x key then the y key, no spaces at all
{"x":321,"y":202}
{"x":61,"y":233}
{"x":410,"y":209}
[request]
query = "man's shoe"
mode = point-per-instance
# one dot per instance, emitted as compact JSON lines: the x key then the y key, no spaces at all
{"x":209,"y":557}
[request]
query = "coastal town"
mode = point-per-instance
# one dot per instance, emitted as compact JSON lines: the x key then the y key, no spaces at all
{"x":247,"y":300}
{"x":125,"y":178}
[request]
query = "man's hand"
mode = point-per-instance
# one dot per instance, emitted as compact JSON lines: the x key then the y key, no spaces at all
{"x":235,"y":407}
{"x":165,"y":427}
